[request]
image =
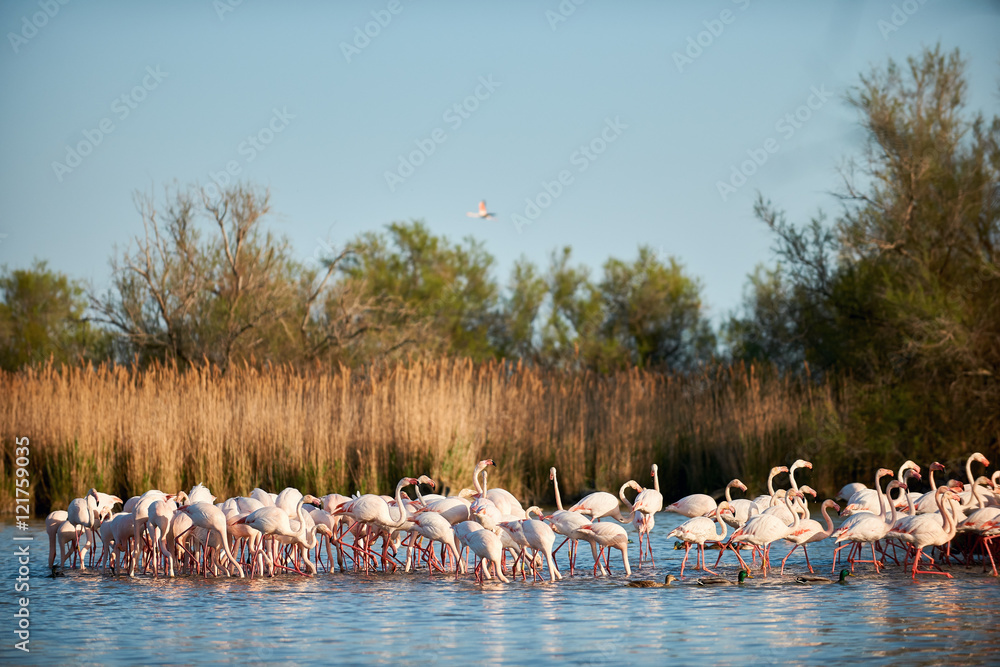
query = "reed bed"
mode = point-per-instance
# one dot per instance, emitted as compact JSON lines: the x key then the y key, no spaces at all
{"x":125,"y":430}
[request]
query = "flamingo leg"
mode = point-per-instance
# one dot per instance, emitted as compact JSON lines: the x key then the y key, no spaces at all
{"x":687,"y":550}
{"x":786,"y":558}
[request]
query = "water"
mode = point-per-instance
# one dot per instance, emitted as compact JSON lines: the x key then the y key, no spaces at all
{"x":358,"y":619}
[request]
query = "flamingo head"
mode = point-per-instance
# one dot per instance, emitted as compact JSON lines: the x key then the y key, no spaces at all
{"x":896,"y":484}
{"x":882,"y":472}
{"x":955,"y":484}
{"x":936,"y":467}
{"x":831,"y":504}
{"x":424,"y":479}
{"x":312,"y":500}
{"x":324,"y":529}
{"x":801,"y":463}
{"x":739,"y":485}
{"x":552,"y":473}
{"x":805,"y":488}
{"x":982,"y":459}
{"x":778,"y":469}
{"x":652,"y":471}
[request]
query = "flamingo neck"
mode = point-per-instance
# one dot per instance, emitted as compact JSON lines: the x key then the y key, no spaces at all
{"x":795,"y":514}
{"x":722,"y":526}
{"x":892,"y":505}
{"x":656,"y":478}
{"x":975,"y":497}
{"x":933,"y":485}
{"x":791,"y":477}
{"x":475,"y":480}
{"x":729,"y":495}
{"x":881,"y":496}
{"x":399,"y":503}
{"x":555,"y":482}
{"x":829,"y":521}
{"x":968,"y":470}
{"x":770,"y":483}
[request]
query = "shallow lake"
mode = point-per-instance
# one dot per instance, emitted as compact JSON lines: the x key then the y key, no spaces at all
{"x":413,"y":618}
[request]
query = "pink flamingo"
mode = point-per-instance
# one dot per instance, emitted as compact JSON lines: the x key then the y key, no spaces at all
{"x":810,"y":531}
{"x":698,"y":531}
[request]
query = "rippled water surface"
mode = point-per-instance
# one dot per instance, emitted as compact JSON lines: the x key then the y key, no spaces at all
{"x":355,"y":619}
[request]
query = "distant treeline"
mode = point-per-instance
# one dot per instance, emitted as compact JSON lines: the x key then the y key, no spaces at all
{"x":894,"y":302}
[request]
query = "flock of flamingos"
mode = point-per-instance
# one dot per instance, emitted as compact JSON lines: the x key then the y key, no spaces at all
{"x":265,"y":533}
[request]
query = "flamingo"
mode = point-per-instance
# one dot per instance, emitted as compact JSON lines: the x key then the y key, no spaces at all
{"x":698,"y":531}
{"x":924,"y":530}
{"x":701,"y":504}
{"x":159,"y":516}
{"x":374,"y":510}
{"x":648,"y":503}
{"x":568,"y":523}
{"x":868,"y":501}
{"x":488,"y":547}
{"x":865,"y":528}
{"x":541,"y":537}
{"x":52,"y":523}
{"x":482,"y":214}
{"x":810,"y":531}
{"x":273,"y":521}
{"x":602,"y":504}
{"x":925,"y":503}
{"x":764,"y":501}
{"x":764,"y":529}
{"x":966,"y":495}
{"x":609,"y":536}
{"x":849,"y":490}
{"x":211,"y":518}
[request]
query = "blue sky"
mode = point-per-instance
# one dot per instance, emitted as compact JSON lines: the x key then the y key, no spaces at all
{"x":200,"y":81}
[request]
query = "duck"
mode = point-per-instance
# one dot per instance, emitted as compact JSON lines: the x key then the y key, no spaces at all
{"x":816,"y":579}
{"x":722,"y":581}
{"x":646,"y":583}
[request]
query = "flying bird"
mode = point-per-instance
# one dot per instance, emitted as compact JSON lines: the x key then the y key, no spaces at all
{"x":483,"y":214}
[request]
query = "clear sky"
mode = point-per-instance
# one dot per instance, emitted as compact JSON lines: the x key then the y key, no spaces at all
{"x":329,"y":120}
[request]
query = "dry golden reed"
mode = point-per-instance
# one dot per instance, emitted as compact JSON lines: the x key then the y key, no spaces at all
{"x":125,"y":431}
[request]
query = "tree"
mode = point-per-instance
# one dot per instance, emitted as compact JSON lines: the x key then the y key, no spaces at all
{"x":654,"y":313}
{"x":901,"y":292}
{"x":515,"y":327}
{"x":42,"y":317}
{"x":206,"y":282}
{"x":434,"y":296}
